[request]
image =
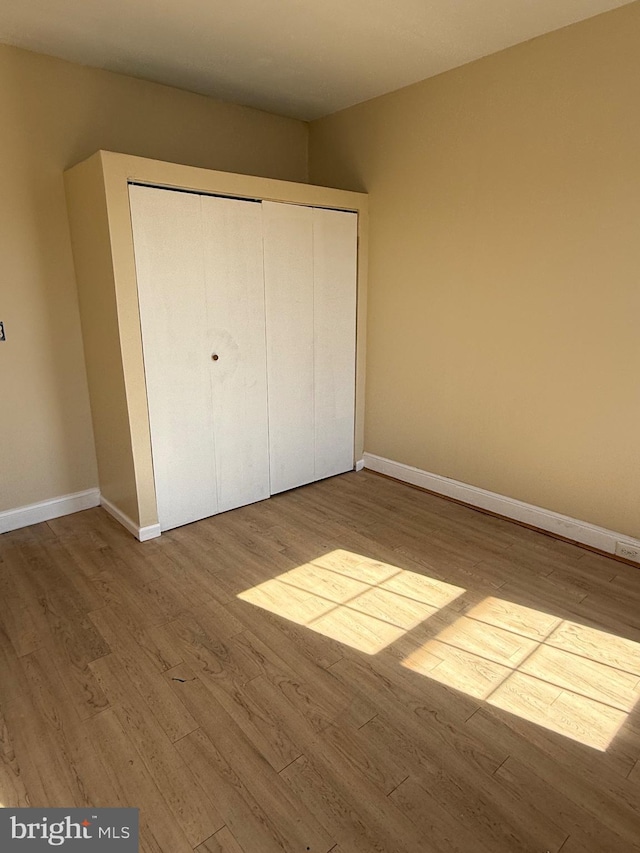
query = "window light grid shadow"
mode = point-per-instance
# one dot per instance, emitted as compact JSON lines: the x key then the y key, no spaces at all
{"x":571,"y":679}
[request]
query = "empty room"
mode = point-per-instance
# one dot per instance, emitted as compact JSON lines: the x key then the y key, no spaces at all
{"x":320,"y":435}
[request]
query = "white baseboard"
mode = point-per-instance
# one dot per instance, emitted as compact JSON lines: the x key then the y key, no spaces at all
{"x":359,"y":464}
{"x":141,"y":533}
{"x":553,"y":522}
{"x":23,"y":516}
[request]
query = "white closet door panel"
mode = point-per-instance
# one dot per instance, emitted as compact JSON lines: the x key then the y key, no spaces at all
{"x":335,"y":238}
{"x":172,"y":294}
{"x":232,"y":232}
{"x":288,"y":271}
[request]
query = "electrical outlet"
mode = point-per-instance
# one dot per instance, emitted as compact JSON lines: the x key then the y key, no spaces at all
{"x":2,"y":334}
{"x":629,"y":552}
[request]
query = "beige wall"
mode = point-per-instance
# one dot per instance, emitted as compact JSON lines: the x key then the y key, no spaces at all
{"x":52,"y":115}
{"x":504,"y":280}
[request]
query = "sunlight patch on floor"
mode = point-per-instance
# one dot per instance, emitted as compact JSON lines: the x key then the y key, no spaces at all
{"x":571,"y":679}
{"x":577,"y":681}
{"x":360,"y":602}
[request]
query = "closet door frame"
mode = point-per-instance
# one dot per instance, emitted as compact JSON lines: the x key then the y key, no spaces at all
{"x":106,"y":274}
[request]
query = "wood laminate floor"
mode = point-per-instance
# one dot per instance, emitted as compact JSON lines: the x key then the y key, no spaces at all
{"x":354,"y":666}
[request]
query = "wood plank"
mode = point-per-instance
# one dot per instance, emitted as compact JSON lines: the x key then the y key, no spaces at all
{"x":584,"y":677}
{"x":192,"y":807}
{"x":73,"y":642}
{"x":320,"y":698}
{"x":599,"y":646}
{"x":251,"y":825}
{"x":222,"y":842}
{"x":21,"y":615}
{"x":474,"y":797}
{"x":591,"y":781}
{"x":359,"y":828}
{"x":381,"y":676}
{"x":242,"y":779}
{"x":228,"y":672}
{"x":375,"y":752}
{"x":527,"y":785}
{"x":297,"y":674}
{"x":559,"y":710}
{"x":134,"y":786}
{"x":168,"y":710}
{"x":353,"y":769}
{"x":13,"y":786}
{"x":442,"y":832}
{"x":56,"y":743}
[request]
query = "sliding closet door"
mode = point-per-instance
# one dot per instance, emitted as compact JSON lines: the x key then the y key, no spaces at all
{"x":288,"y":278}
{"x":310,"y":285}
{"x":248,"y":327}
{"x":201,"y":294}
{"x":335,"y":240}
{"x":167,"y":232}
{"x":232,"y":232}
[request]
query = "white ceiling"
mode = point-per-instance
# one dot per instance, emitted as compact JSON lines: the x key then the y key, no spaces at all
{"x":294,"y":57}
